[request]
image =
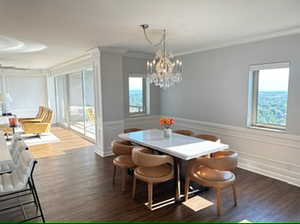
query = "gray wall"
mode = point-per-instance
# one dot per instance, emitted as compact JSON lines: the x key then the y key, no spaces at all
{"x":112,"y":86}
{"x":215,"y":82}
{"x":138,"y":66}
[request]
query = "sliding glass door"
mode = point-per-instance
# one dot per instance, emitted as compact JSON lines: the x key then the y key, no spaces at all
{"x":75,"y":101}
{"x":61,"y":99}
{"x":76,"y":106}
{"x":89,"y":104}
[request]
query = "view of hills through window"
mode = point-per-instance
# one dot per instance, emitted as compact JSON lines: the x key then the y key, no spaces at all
{"x":272,"y":96}
{"x":136,"y":102}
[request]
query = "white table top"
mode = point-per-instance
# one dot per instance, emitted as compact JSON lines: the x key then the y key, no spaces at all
{"x":180,"y":146}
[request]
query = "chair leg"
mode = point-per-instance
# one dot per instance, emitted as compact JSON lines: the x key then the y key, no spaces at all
{"x":150,"y":195}
{"x":114,"y":174}
{"x":186,"y":188}
{"x":234,"y":195}
{"x":33,"y":195}
{"x":219,"y":201}
{"x":37,"y":199}
{"x":134,"y":186}
{"x":124,"y":174}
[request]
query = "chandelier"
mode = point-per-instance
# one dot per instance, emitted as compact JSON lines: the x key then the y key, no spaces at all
{"x":164,"y":70}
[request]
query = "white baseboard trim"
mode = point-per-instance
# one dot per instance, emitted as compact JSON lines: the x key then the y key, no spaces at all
{"x":103,"y":155}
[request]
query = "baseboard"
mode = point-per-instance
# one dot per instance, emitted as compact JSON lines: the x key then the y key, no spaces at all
{"x":103,"y":155}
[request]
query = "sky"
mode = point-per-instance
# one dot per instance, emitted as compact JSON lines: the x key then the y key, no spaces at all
{"x":135,"y":83}
{"x":274,"y":79}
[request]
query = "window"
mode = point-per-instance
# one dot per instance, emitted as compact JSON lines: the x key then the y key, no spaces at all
{"x":137,"y":98}
{"x":269,"y":95}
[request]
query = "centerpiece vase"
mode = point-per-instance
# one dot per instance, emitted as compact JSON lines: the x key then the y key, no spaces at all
{"x":167,"y":132}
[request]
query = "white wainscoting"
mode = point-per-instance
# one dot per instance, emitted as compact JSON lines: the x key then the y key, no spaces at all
{"x":111,"y":130}
{"x":143,"y":122}
{"x":276,"y":155}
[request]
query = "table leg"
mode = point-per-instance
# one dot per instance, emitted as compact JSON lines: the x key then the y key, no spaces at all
{"x":177,"y":178}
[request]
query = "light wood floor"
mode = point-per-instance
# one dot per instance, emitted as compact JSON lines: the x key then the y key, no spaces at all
{"x":69,"y":140}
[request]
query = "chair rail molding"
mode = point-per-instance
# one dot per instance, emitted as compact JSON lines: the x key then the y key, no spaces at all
{"x":272,"y":154}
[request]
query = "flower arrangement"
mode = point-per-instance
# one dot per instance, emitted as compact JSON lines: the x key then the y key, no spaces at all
{"x":167,"y":123}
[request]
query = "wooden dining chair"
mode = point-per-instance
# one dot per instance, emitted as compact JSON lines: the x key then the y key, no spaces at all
{"x":128,"y":130}
{"x":123,"y":160}
{"x":184,"y":132}
{"x":151,"y":169}
{"x":208,"y":137}
{"x":214,"y":172}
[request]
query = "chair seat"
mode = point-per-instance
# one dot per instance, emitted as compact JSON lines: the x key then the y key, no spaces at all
{"x":154,"y":174}
{"x":213,"y":175}
{"x":124,"y":161}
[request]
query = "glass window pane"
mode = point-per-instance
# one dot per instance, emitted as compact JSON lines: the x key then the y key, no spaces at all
{"x":90,"y":119}
{"x":76,"y":102}
{"x":272,"y":96}
{"x":136,"y":95}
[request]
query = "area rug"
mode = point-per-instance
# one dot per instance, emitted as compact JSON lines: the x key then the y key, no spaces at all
{"x":31,"y":140}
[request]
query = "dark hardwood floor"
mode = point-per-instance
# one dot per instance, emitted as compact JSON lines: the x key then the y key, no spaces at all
{"x":77,"y":186}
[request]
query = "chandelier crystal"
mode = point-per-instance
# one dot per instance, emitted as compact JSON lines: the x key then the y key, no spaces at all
{"x":164,"y":70}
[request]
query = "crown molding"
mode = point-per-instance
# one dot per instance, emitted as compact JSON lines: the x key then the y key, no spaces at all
{"x":113,"y":50}
{"x":27,"y":72}
{"x":70,"y":62}
{"x":139,"y":54}
{"x":245,"y":40}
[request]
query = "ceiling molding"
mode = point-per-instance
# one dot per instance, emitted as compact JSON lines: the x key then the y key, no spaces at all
{"x":139,"y":54}
{"x":28,"y":72}
{"x":114,"y":50}
{"x":71,"y":62}
{"x":245,"y":40}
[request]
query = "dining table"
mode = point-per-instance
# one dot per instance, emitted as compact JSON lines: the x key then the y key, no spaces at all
{"x":180,"y":147}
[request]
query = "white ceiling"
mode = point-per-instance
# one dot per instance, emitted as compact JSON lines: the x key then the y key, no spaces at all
{"x":70,"y":27}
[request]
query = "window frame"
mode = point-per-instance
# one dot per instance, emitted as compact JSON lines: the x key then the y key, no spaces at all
{"x":144,"y":112}
{"x":253,"y":95}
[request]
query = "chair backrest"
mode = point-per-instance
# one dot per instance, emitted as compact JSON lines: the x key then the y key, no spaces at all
{"x":16,"y":148}
{"x":184,"y":132}
{"x":43,"y":113}
{"x":128,"y":130}
{"x":48,"y":116}
{"x":208,"y":137}
{"x":90,"y":114}
{"x":122,"y":147}
{"x":227,"y":163}
{"x":141,"y":157}
{"x":18,"y":179}
{"x":40,"y":112}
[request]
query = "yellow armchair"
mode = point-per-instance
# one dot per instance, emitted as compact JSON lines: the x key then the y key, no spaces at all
{"x":38,"y":127}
